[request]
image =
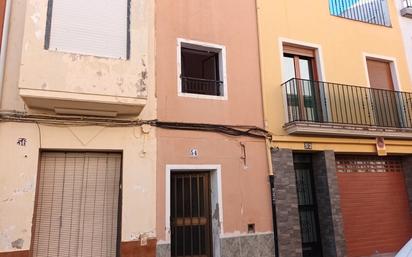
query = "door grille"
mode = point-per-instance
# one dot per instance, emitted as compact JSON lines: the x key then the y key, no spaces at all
{"x":190,"y":214}
{"x":308,"y":212}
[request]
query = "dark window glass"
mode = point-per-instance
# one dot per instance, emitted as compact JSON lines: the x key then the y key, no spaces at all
{"x":200,"y":72}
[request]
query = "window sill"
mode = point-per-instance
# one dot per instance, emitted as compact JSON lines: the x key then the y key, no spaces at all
{"x":199,"y":96}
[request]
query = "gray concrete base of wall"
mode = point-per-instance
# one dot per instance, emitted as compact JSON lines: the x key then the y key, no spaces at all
{"x":253,"y":245}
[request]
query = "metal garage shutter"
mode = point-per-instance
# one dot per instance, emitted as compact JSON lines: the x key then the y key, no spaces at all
{"x":374,"y":204}
{"x":76,"y":212}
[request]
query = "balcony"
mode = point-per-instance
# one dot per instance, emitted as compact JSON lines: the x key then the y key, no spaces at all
{"x":316,"y":107}
{"x":85,"y":104}
{"x":201,"y":86}
{"x":367,"y":11}
{"x":406,"y":10}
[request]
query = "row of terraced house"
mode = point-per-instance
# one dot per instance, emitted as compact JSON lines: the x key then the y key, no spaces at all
{"x":219,"y":128}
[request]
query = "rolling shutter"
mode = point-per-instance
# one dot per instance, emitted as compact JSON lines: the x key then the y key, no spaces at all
{"x":77,"y":204}
{"x":374,"y":204}
{"x":93,"y":27}
{"x":380,"y":74}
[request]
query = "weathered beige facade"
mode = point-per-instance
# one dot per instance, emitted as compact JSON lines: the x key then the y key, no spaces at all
{"x":45,"y":82}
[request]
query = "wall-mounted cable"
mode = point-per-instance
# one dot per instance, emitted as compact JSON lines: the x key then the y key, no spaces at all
{"x":68,"y":120}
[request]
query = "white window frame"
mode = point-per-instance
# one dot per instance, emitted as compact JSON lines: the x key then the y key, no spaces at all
{"x":220,"y":49}
{"x":216,"y":199}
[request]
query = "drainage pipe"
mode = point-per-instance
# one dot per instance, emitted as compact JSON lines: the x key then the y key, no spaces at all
{"x":273,"y":197}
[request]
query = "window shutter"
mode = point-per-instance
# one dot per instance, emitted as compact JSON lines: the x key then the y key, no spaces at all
{"x":92,"y":27}
{"x":77,"y":205}
{"x":380,"y":74}
{"x":299,"y":50}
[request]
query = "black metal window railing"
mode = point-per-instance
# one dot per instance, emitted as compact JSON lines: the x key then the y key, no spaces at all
{"x":202,"y":86}
{"x":324,"y":102}
{"x":369,"y":11}
{"x":407,"y":3}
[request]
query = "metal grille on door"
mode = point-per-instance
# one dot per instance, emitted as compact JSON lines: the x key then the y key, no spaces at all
{"x":308,"y":211}
{"x":76,"y":211}
{"x":190,"y":214}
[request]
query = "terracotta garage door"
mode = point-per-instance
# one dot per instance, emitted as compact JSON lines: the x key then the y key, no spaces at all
{"x":374,"y":204}
{"x":76,"y":212}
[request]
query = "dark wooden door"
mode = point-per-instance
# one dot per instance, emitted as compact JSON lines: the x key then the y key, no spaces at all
{"x":384,"y":98}
{"x":190,"y":214}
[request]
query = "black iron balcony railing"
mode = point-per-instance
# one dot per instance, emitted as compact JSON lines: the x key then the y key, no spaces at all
{"x":332,"y":103}
{"x":201,"y":86}
{"x":369,"y":11}
{"x":407,"y":3}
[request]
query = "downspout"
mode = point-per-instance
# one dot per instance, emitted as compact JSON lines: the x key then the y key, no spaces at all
{"x":273,"y":197}
{"x":274,"y":218}
{"x":4,"y":42}
{"x":268,"y":142}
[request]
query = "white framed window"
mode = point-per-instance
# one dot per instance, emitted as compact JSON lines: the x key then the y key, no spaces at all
{"x":201,"y":69}
{"x":92,"y":27}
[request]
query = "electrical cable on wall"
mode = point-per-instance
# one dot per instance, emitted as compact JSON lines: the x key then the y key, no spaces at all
{"x":65,"y":120}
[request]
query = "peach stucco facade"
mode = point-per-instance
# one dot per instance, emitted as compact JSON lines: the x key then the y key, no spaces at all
{"x":213,"y":22}
{"x":244,"y":182}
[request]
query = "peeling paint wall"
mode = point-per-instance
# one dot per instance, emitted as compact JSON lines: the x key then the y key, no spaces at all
{"x":28,"y":65}
{"x":53,"y":71}
{"x":18,"y":174}
{"x":17,"y":187}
